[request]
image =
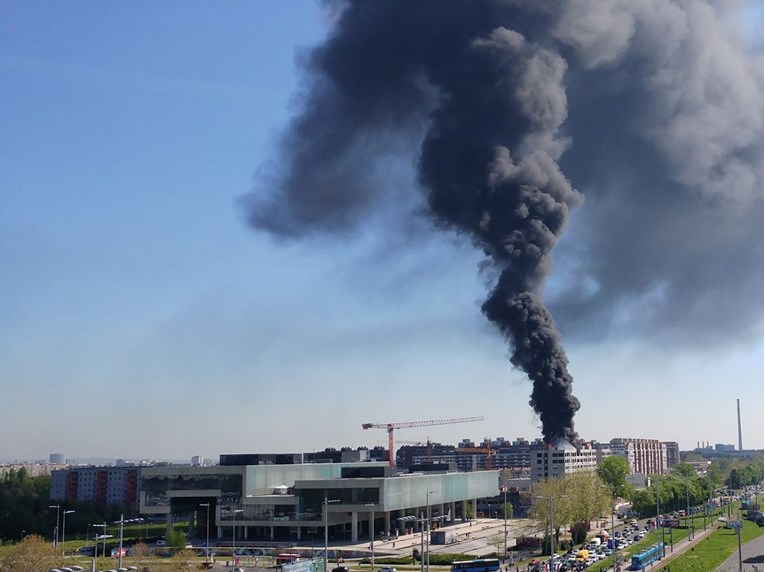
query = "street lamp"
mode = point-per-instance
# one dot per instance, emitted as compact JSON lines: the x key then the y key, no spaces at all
{"x":122,"y":528}
{"x":207,"y":543}
{"x":57,"y":507}
{"x":658,"y":523}
{"x":427,"y":541}
{"x":688,"y":511}
{"x":326,"y":529}
{"x":504,"y":491}
{"x":233,"y":538}
{"x":63,"y":531}
{"x":103,"y":537}
{"x":372,"y":531}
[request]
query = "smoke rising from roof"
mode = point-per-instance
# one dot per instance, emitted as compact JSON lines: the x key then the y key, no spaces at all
{"x":650,"y":107}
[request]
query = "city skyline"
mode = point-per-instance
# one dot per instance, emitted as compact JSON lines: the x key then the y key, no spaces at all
{"x":145,"y":319}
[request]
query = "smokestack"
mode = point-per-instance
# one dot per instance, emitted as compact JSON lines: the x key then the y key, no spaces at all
{"x":738,"y":411}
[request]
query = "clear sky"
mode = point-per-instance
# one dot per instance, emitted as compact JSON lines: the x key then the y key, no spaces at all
{"x":142,"y":316}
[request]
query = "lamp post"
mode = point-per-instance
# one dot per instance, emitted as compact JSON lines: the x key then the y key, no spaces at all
{"x":613,"y":523}
{"x":688,"y":511}
{"x":57,"y":507}
{"x":122,"y":528}
{"x":326,"y":529}
{"x":233,"y":538}
{"x":63,"y":531}
{"x":427,"y":541}
{"x":372,"y":531}
{"x":95,"y":552}
{"x":207,"y":542}
{"x":504,"y":508}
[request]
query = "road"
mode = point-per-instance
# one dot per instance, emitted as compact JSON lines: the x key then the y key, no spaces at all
{"x":751,"y":556}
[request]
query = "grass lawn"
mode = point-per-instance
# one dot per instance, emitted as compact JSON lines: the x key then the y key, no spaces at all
{"x":709,"y":553}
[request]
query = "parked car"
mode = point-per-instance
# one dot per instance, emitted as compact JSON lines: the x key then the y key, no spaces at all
{"x":387,"y":569}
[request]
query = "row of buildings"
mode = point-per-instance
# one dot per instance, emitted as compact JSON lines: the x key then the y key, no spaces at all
{"x":644,"y":456}
{"x":251,"y":480}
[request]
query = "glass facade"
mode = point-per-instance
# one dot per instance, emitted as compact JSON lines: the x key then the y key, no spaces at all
{"x":412,"y":491}
{"x":156,"y":487}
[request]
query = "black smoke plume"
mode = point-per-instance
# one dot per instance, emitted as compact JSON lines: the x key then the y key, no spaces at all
{"x":498,"y":94}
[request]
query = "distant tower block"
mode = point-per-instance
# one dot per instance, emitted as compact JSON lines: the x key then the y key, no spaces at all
{"x":56,"y":458}
{"x":738,"y":411}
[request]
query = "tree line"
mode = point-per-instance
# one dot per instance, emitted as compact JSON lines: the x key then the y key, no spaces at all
{"x":24,"y":509}
{"x":580,"y":498}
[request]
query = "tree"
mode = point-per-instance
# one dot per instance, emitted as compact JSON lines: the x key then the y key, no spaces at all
{"x":497,"y":541}
{"x":177,"y":541}
{"x":32,"y":554}
{"x":549,"y":501}
{"x":507,"y":510}
{"x":586,"y":498}
{"x":613,"y":472}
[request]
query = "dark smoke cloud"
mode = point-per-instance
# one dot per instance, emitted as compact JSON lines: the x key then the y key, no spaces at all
{"x":648,"y":106}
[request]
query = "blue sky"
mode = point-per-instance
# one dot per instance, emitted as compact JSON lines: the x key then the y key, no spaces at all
{"x":143,"y":318}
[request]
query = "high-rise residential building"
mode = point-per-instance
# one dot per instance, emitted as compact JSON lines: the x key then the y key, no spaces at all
{"x":97,"y":485}
{"x":562,"y":460}
{"x":673,"y":453}
{"x":646,"y":456}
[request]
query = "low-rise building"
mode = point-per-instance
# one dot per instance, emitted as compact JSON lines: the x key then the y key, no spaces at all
{"x":278,"y":502}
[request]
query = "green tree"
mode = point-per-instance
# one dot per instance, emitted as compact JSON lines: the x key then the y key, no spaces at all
{"x":586,"y":498}
{"x":177,"y":541}
{"x":613,"y":472}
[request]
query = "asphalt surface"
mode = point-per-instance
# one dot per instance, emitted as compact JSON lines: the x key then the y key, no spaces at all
{"x":751,"y":558}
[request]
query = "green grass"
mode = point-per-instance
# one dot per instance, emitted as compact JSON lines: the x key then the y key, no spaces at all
{"x":709,"y":553}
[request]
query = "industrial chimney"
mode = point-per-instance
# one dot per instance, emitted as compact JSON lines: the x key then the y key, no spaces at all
{"x":738,"y":411}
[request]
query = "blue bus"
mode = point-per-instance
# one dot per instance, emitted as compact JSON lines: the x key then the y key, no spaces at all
{"x":483,"y":565}
{"x":643,"y":559}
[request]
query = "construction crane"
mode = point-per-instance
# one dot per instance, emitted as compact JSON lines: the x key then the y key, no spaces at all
{"x":406,"y":425}
{"x":488,"y":451}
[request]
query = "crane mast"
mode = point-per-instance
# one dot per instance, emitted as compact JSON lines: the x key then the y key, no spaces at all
{"x":409,"y":424}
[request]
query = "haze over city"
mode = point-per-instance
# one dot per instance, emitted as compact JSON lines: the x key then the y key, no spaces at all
{"x":150,"y":312}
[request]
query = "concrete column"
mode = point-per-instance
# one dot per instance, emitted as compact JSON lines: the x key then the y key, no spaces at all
{"x":246,"y":531}
{"x":464,"y":510}
{"x":299,"y":529}
{"x":169,"y":529}
{"x":386,"y":522}
{"x":354,"y":526}
{"x":192,"y":523}
{"x":371,"y":526}
{"x":452,"y":512}
{"x":272,"y":533}
{"x":475,"y":508}
{"x":220,"y":531}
